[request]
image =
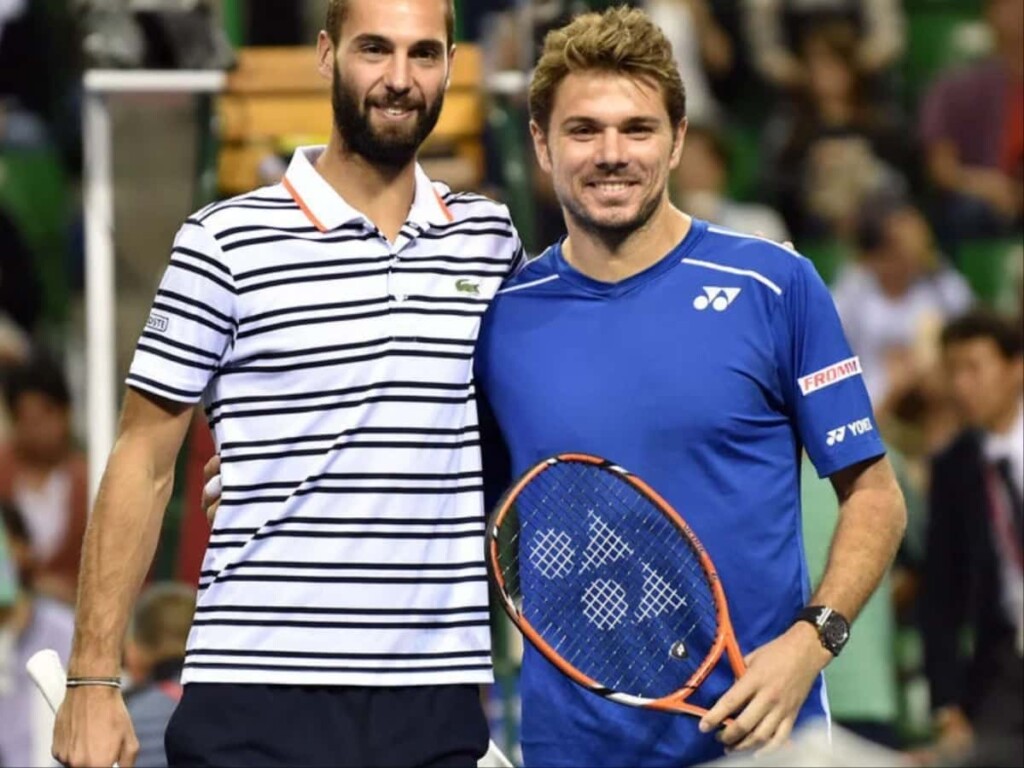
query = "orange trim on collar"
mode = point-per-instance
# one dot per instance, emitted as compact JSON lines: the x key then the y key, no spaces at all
{"x":444,"y":208}
{"x":302,"y":205}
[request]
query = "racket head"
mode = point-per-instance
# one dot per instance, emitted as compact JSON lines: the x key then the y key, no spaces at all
{"x":609,"y":583}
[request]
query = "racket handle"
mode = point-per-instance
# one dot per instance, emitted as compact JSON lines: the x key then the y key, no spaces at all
{"x":494,"y":758}
{"x":48,"y":674}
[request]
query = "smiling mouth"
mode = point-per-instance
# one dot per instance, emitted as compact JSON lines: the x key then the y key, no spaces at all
{"x":611,"y":186}
{"x":395,"y":113}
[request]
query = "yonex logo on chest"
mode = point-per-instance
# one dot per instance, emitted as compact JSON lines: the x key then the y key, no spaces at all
{"x":716,"y":297}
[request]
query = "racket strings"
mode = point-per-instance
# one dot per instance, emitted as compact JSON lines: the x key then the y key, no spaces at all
{"x":607,"y":580}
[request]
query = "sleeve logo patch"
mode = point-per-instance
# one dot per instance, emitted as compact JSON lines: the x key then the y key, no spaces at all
{"x":826,"y":377}
{"x":854,"y":429}
{"x":157,"y":322}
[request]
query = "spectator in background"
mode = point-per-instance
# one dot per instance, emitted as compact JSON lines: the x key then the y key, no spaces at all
{"x":774,"y":27}
{"x":702,"y":48}
{"x":33,"y":623}
{"x":38,"y":75}
{"x":972,"y":128}
{"x":44,"y":474}
{"x":895,"y":297}
{"x":973,"y":576}
{"x":832,"y":144}
{"x":699,"y":186}
{"x":154,"y":657}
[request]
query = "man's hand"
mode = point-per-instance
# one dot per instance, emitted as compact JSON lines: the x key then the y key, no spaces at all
{"x":954,"y":740}
{"x":769,"y":696}
{"x":212,"y":489}
{"x":93,"y":729}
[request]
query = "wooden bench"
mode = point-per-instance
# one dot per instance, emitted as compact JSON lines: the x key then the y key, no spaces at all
{"x":276,"y":100}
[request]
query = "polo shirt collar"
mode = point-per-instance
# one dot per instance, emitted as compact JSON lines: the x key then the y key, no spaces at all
{"x":327,"y":210}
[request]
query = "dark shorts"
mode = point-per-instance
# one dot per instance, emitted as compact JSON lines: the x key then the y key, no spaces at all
{"x":277,"y":725}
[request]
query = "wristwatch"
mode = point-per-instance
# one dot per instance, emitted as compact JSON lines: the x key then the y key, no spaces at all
{"x":833,"y":628}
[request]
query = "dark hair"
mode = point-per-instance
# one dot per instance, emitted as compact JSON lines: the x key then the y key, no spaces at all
{"x":715,"y":140}
{"x":163,"y":618}
{"x":337,"y":12}
{"x":14,"y":522}
{"x":41,"y":375}
{"x":874,"y":210}
{"x":986,"y":324}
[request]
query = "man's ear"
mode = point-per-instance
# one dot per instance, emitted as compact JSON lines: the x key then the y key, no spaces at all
{"x":324,"y":55}
{"x":540,"y":146}
{"x":451,"y":66}
{"x":678,"y":140}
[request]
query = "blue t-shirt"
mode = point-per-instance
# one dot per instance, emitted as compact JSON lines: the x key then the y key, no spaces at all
{"x":705,"y":374}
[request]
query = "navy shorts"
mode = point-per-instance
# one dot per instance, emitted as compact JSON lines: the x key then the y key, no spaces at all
{"x":279,"y":725}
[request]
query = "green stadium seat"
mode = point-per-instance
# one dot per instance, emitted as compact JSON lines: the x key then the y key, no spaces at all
{"x":940,"y":34}
{"x":34,"y":192}
{"x":827,"y":256}
{"x":993,"y":268}
{"x":508,"y":125}
{"x":744,"y":142}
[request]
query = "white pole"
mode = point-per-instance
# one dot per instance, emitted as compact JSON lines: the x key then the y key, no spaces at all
{"x":100,"y":302}
{"x":99,"y":285}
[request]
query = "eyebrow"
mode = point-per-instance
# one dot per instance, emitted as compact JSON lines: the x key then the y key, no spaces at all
{"x":629,"y":122}
{"x":434,"y":46}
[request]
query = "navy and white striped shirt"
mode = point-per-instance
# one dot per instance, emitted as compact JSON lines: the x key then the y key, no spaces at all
{"x":335,"y":369}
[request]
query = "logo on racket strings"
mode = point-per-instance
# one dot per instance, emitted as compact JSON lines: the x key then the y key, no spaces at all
{"x":678,"y":651}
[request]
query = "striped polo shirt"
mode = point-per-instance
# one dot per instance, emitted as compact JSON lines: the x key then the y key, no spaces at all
{"x":335,"y":369}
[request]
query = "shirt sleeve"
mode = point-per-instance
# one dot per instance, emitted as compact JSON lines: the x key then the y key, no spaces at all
{"x":192,"y":324}
{"x":822,"y":380}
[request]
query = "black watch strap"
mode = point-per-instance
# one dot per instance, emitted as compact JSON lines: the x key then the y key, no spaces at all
{"x":832,"y":627}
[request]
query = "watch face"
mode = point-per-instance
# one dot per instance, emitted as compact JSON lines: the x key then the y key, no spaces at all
{"x":835,"y":633}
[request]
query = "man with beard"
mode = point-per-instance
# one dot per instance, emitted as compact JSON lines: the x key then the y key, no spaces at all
{"x":327,"y":326}
{"x":703,"y":360}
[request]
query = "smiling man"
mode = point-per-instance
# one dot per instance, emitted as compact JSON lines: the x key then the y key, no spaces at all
{"x":703,"y":360}
{"x":327,"y":326}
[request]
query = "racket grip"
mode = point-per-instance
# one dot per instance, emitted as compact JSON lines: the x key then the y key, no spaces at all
{"x":48,"y":674}
{"x":494,"y":758}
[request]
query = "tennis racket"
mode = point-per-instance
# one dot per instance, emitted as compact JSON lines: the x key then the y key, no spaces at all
{"x":609,"y":583}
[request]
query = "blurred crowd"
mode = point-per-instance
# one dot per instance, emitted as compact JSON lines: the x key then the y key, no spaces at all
{"x":885,"y":138}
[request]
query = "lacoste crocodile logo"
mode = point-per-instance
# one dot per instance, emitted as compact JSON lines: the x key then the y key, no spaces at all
{"x":465,"y":286}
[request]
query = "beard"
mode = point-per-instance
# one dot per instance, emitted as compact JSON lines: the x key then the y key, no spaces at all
{"x":615,"y":231}
{"x":393,"y":148}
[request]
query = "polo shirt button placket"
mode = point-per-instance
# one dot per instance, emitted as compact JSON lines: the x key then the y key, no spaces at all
{"x":397,"y":296}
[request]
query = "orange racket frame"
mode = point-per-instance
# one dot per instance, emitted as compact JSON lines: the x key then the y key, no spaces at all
{"x":725,"y":640}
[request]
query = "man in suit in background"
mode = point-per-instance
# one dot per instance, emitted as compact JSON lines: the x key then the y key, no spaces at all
{"x":973,"y":576}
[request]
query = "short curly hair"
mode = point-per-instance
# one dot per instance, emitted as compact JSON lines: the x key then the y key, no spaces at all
{"x":621,"y":40}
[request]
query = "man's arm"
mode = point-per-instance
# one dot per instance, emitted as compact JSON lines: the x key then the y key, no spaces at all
{"x":872,"y":518}
{"x":92,"y":726}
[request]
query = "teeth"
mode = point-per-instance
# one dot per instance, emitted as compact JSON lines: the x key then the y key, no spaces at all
{"x":614,"y":186}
